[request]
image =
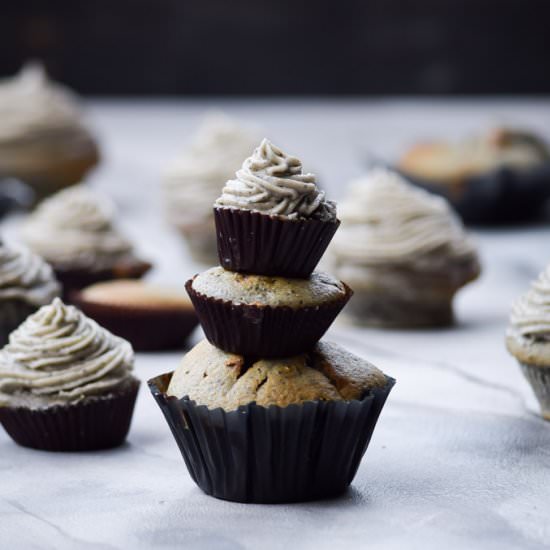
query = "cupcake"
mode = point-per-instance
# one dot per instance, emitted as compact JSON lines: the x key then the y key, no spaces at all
{"x":279,"y":430}
{"x":265,"y":316}
{"x":263,"y":411}
{"x":26,"y":284}
{"x":66,"y":384}
{"x":528,"y":338}
{"x":502,"y":176}
{"x":150,"y":317}
{"x":193,"y":181}
{"x":403,"y":251}
{"x":74,"y":232}
{"x":272,"y":219}
{"x":43,"y":140}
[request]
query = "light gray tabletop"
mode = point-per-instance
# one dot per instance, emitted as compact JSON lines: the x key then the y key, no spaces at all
{"x":459,"y":459}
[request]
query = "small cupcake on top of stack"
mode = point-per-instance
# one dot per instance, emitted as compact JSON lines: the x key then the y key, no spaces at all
{"x":261,"y":410}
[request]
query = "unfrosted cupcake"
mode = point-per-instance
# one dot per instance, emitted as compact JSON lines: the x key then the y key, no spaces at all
{"x":26,"y":283}
{"x":66,"y":384}
{"x":271,"y":218}
{"x":74,"y":231}
{"x":263,"y":316}
{"x":43,"y":139}
{"x":403,"y":251}
{"x":502,"y":175}
{"x":151,"y":317}
{"x":193,"y":181}
{"x":279,"y":430}
{"x":528,"y":338}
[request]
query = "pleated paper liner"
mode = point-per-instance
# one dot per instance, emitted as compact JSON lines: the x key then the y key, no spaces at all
{"x":500,"y":196}
{"x":251,"y":242}
{"x":539,"y":378}
{"x":147,"y":329}
{"x":73,"y":280}
{"x":263,"y":331}
{"x":272,"y":454}
{"x":98,"y":422}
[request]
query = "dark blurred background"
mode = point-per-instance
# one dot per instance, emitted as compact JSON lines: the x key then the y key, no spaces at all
{"x":138,"y":47}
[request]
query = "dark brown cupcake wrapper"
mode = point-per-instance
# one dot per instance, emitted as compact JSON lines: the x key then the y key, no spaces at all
{"x":499,"y":196}
{"x":539,"y":378}
{"x":73,"y":280}
{"x":99,"y":422}
{"x":263,"y":331}
{"x":272,"y":454}
{"x":12,"y":314}
{"x":147,"y":329}
{"x":251,"y":242}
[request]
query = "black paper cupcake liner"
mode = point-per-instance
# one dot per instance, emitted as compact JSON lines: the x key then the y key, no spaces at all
{"x":263,"y":331}
{"x":272,"y":454}
{"x":147,"y":329}
{"x":496,"y":197}
{"x":251,"y":242}
{"x":539,"y":378}
{"x":98,"y":422}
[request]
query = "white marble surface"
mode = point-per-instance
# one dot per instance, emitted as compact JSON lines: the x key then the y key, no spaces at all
{"x":459,"y":459}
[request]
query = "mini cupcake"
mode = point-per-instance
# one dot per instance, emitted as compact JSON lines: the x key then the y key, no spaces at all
{"x":43,"y":140}
{"x":194,"y":180}
{"x":265,"y":316}
{"x":66,"y":384}
{"x":502,"y":176}
{"x":528,"y":338}
{"x":26,"y":284}
{"x":272,"y":219}
{"x":150,"y":317}
{"x":403,"y":251}
{"x":257,"y":430}
{"x":74,"y":232}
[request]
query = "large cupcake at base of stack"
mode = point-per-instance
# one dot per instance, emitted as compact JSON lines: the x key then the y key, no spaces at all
{"x":263,"y":411}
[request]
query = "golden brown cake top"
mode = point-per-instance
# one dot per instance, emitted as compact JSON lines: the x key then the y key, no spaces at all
{"x":212,"y":377}
{"x":137,"y":294}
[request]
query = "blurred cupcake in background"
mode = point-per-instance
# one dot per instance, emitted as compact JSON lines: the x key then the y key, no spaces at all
{"x":74,"y":231}
{"x":501,"y":176}
{"x":403,"y":251}
{"x":528,"y":338}
{"x":26,"y":283}
{"x":193,"y":181}
{"x":43,"y":139}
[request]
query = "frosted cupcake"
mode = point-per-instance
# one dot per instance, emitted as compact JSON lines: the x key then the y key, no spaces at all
{"x":272,"y":218}
{"x":43,"y":139}
{"x":403,"y":251}
{"x":26,"y":283}
{"x":74,"y":231}
{"x":528,"y":338}
{"x":66,"y":384}
{"x":193,"y":181}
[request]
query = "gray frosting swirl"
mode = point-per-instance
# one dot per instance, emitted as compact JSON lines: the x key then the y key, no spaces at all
{"x":386,"y":220}
{"x":530,"y":316}
{"x":75,"y":228}
{"x":58,"y":355}
{"x":26,"y":277}
{"x":272,"y":182}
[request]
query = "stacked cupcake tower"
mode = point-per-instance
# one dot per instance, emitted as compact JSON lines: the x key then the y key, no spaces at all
{"x":263,"y":411}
